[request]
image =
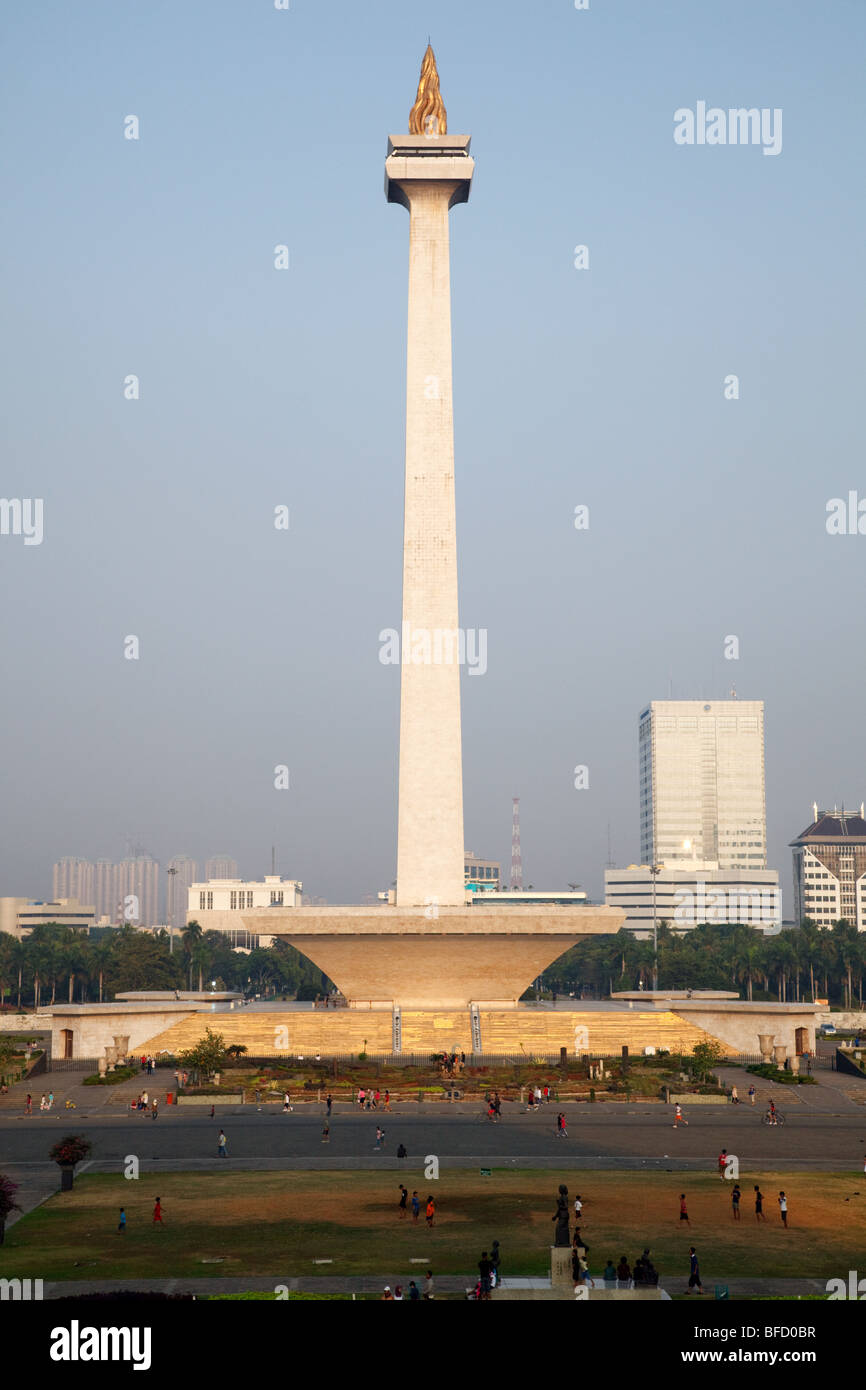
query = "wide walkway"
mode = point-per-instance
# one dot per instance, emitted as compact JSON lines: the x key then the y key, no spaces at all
{"x":450,"y":1284}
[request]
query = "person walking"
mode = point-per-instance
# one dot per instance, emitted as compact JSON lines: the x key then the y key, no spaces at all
{"x":154,"y":1109}
{"x":431,"y":1212}
{"x":121,"y":1225}
{"x":723,"y":1163}
{"x":328,"y":1103}
{"x":402,"y":1151}
{"x":759,"y":1204}
{"x":679,"y":1117}
{"x":783,"y":1209}
{"x":684,"y":1213}
{"x":50,"y":1099}
{"x":28,"y":1106}
{"x":735,"y":1099}
{"x":694,"y":1271}
{"x":404,"y":1197}
{"x":380,"y":1137}
{"x":326,"y":1133}
{"x":43,"y":1104}
{"x":560,"y":1126}
{"x":735,"y":1201}
{"x":222,"y":1143}
{"x":387,"y":1100}
{"x":752,"y":1094}
{"x":157,"y":1212}
{"x":416,"y":1208}
{"x":496,"y":1261}
{"x":428,"y":1284}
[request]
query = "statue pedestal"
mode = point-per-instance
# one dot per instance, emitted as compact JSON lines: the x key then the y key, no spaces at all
{"x":560,"y":1266}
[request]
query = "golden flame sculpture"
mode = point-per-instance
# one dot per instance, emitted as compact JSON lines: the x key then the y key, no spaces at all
{"x":428,"y":115}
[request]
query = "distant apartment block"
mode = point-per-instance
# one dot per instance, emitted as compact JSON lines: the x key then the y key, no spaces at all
{"x":830,"y":869}
{"x":181,"y":874}
{"x":121,"y":892}
{"x":220,"y":867}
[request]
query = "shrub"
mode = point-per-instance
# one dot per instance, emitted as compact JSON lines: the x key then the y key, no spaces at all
{"x":73,"y":1149}
{"x":111,"y":1078}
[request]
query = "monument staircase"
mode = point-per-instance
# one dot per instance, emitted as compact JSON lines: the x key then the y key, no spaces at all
{"x":498,"y":1031}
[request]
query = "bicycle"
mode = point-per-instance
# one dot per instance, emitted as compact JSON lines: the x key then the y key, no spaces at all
{"x":767,"y":1118}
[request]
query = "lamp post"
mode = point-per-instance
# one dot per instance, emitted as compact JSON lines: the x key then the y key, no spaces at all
{"x":655,"y":870}
{"x":171,"y":873}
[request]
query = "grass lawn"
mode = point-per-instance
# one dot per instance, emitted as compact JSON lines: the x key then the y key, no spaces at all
{"x":278,"y":1224}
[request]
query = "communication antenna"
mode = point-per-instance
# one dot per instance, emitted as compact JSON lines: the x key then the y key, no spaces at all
{"x":516,"y":860}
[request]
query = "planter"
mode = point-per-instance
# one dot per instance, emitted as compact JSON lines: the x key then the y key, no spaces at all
{"x":67,"y":1172}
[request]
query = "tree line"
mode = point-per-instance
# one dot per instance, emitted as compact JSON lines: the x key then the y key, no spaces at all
{"x":793,"y":966}
{"x":59,"y":964}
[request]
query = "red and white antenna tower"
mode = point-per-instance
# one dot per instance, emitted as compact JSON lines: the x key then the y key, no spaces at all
{"x":516,"y":861}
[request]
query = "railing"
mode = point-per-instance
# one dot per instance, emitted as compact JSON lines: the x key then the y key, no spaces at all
{"x":73,"y":1064}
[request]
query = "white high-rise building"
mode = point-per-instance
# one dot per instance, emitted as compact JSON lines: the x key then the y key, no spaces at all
{"x":702,"y":783}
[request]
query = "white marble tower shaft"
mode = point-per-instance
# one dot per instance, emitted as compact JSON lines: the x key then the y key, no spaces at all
{"x":428,"y":175}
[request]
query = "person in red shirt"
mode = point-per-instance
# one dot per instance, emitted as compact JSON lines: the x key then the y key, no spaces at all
{"x":723,"y":1163}
{"x":157,"y":1212}
{"x":684,"y":1215}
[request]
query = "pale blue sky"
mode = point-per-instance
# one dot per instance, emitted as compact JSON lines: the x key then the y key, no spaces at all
{"x":261,"y":387}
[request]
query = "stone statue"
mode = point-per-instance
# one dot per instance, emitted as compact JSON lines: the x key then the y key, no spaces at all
{"x":561,"y":1236}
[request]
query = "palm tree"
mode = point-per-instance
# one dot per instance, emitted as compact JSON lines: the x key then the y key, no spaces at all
{"x":191,"y":937}
{"x":846,"y":940}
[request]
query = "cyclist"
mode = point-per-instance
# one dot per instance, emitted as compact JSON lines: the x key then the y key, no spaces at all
{"x":772,"y":1112}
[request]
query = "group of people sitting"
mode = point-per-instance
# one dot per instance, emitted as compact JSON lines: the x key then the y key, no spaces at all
{"x":644,"y":1274}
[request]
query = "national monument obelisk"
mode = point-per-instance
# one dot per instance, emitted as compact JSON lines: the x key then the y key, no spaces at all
{"x":430,"y":952}
{"x":429,"y":171}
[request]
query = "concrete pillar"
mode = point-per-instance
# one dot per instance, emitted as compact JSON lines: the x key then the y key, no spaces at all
{"x":560,"y":1266}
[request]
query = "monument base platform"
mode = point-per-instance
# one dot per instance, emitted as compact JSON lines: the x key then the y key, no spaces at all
{"x":433,"y":958}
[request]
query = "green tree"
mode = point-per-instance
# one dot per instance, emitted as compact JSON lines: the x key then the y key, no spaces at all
{"x":207,"y":1056}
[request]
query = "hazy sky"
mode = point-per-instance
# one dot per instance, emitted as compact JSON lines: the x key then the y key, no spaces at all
{"x":261,"y":387}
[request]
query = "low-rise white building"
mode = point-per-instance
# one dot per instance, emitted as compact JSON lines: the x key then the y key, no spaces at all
{"x":18,"y":916}
{"x":217,"y":905}
{"x":685,"y":896}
